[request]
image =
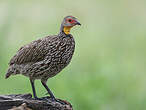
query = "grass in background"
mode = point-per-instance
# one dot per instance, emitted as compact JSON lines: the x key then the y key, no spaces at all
{"x":107,"y":71}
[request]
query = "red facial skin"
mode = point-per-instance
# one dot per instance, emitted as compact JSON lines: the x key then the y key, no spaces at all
{"x":70,"y":20}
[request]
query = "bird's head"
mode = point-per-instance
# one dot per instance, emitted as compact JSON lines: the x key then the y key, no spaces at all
{"x":67,"y":23}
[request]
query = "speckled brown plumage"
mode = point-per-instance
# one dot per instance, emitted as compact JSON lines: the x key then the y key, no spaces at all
{"x":45,"y":57}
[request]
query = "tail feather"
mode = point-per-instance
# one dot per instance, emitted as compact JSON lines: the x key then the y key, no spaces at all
{"x":13,"y":69}
{"x":8,"y":74}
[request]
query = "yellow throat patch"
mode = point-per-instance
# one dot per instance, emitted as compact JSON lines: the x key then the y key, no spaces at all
{"x":67,"y":29}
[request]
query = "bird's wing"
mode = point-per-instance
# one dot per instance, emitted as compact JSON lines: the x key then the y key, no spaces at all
{"x":33,"y":52}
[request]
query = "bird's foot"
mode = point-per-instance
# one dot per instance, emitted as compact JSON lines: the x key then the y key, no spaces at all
{"x":54,"y":99}
{"x":36,"y":98}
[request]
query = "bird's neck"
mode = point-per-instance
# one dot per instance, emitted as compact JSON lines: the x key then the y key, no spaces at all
{"x":65,"y":30}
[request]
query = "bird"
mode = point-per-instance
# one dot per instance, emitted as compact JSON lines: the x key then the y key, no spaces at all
{"x":46,"y":57}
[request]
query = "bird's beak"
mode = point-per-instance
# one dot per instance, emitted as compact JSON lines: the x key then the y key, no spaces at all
{"x":78,"y":23}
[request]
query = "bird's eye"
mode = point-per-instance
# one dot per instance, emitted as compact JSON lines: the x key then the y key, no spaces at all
{"x":69,"y":20}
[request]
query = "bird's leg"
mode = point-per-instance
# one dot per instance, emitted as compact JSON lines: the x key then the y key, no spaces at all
{"x":33,"y":89}
{"x":49,"y":91}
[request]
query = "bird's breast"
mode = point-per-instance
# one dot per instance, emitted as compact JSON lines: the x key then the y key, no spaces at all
{"x":61,"y":54}
{"x":65,"y":50}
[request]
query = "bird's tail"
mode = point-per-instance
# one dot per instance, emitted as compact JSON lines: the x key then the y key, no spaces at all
{"x":13,"y":70}
{"x":8,"y":74}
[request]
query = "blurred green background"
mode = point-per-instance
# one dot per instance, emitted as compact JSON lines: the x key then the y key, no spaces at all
{"x":108,"y":69}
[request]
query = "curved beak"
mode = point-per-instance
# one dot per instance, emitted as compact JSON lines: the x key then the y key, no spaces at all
{"x":78,"y":23}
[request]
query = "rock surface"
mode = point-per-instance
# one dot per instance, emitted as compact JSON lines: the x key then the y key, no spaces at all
{"x":26,"y":102}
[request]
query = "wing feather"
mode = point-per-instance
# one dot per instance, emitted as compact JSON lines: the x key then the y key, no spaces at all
{"x":33,"y":52}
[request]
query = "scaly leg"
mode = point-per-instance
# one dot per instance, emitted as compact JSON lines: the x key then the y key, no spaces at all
{"x":49,"y":91}
{"x":33,"y":89}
